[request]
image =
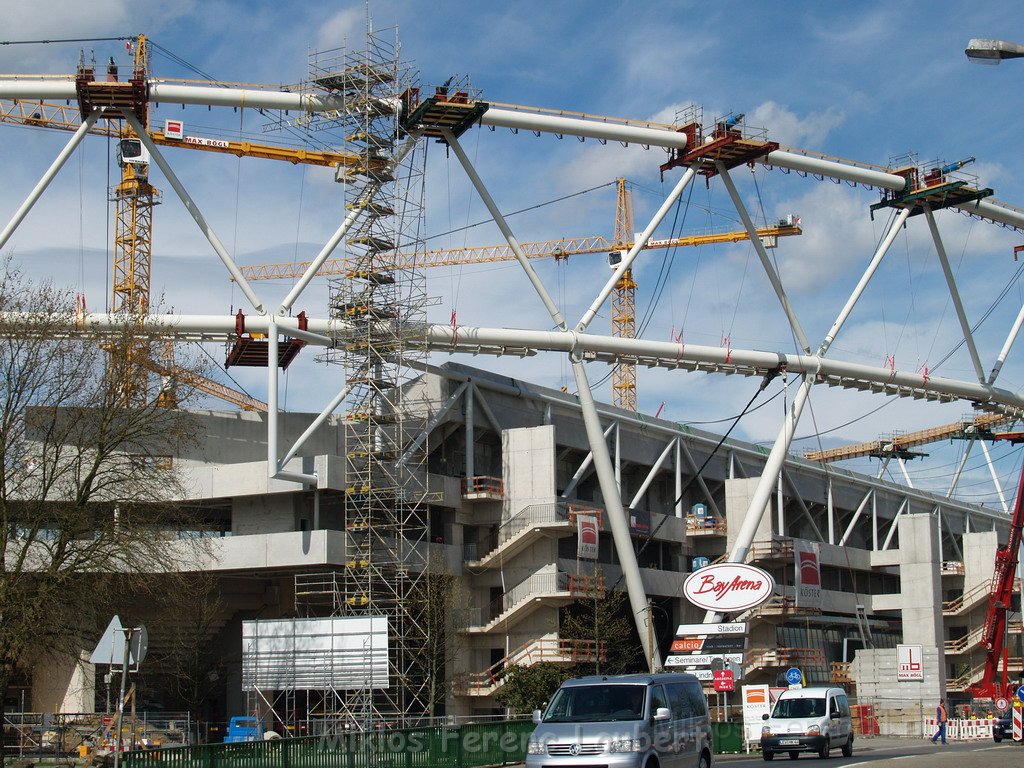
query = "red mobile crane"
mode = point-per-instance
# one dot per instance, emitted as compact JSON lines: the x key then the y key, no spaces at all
{"x":993,"y":634}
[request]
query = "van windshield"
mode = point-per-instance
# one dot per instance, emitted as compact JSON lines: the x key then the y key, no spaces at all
{"x":596,"y":704}
{"x":799,"y":708}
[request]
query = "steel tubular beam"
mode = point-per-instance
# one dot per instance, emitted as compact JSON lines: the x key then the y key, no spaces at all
{"x":591,"y":129}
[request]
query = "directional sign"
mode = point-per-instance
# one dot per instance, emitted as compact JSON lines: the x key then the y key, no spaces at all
{"x":723,"y":680}
{"x":794,"y":676}
{"x":702,"y":659}
{"x":1020,"y":693}
{"x":732,"y":628}
{"x":724,"y":644}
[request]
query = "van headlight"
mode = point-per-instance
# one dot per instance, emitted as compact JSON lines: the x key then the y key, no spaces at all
{"x":813,"y":730}
{"x":624,"y":745}
{"x":534,"y":748}
{"x":766,"y":730}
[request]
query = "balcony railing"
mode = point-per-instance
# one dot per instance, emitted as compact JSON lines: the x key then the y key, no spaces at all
{"x":482,"y":487}
{"x":532,"y":516}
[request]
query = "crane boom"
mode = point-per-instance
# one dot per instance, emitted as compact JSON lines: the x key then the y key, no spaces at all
{"x":557,"y":249}
{"x":894,"y":445}
{"x":64,"y":117}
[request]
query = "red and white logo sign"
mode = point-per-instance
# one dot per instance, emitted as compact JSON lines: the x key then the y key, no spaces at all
{"x":808,"y":574}
{"x":174,"y":129}
{"x":587,"y":537}
{"x":909,"y":662}
{"x":728,"y":587}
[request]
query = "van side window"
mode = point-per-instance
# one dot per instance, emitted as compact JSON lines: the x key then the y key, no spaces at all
{"x":833,"y":707}
{"x":844,"y":706}
{"x":681,"y":705}
{"x":698,"y":703}
{"x":658,"y":699}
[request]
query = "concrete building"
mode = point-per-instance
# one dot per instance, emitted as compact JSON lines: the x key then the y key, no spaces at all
{"x":509,"y":472}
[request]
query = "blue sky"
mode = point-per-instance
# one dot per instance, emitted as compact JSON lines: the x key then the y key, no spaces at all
{"x":869,"y":81}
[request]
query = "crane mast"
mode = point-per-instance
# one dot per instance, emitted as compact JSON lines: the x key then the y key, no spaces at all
{"x":623,"y":301}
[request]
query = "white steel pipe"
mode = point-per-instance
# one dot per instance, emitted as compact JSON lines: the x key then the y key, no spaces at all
{"x":193,"y":209}
{"x":834,"y":169}
{"x":44,"y":182}
{"x":997,"y":213}
{"x":591,"y":129}
{"x":506,"y":231}
{"x":638,"y":246}
{"x":443,"y":337}
{"x":32,"y":89}
{"x":766,"y":263}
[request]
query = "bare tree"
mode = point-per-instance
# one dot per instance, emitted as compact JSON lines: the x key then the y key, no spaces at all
{"x":86,"y":483}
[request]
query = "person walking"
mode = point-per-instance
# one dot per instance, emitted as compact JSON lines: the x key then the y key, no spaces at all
{"x":941,"y":717}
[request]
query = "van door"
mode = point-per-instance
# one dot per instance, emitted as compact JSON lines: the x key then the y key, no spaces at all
{"x":662,"y":732}
{"x":842,"y":705}
{"x":684,"y":726}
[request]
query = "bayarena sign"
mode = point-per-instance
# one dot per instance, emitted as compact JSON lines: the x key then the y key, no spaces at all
{"x":728,"y":587}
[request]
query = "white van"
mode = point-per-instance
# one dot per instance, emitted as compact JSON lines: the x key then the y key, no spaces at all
{"x":624,"y":721}
{"x":808,"y":720}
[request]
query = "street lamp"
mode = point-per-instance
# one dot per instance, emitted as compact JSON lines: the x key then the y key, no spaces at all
{"x":986,"y":51}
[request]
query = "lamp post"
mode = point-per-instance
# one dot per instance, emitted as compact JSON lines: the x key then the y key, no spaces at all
{"x":987,"y":51}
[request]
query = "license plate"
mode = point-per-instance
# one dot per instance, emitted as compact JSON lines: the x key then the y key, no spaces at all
{"x":788,"y":742}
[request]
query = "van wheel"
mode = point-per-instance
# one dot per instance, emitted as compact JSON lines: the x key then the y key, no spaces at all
{"x":767,"y":755}
{"x":825,"y":749}
{"x":794,"y":755}
{"x":848,"y":747}
{"x":705,"y":761}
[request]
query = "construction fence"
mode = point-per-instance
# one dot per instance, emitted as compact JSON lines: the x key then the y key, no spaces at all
{"x":463,"y":746}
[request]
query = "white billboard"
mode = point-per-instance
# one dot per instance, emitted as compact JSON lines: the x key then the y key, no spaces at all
{"x":343,"y":653}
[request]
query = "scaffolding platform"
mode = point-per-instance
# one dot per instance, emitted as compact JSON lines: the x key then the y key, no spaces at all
{"x":254,"y":352}
{"x":936,"y":197}
{"x":455,"y":112}
{"x":730,"y":149}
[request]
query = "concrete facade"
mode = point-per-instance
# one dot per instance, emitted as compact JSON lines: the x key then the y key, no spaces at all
{"x":894,"y":559}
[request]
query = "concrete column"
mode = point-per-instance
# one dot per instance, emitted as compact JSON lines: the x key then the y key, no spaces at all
{"x":921,"y":589}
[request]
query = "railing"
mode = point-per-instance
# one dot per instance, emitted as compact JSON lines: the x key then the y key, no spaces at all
{"x":528,"y":517}
{"x":464,"y":746}
{"x":550,"y":649}
{"x":706,"y":526}
{"x":952,"y":568}
{"x":489,"y":487}
{"x":538,"y":583}
{"x":786,"y":657}
{"x":773,"y":549}
{"x":967,"y":598}
{"x":973,"y":637}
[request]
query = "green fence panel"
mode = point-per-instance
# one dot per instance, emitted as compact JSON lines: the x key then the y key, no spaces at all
{"x":727,"y":737}
{"x":465,"y":746}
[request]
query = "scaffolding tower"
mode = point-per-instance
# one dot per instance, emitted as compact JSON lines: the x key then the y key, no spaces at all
{"x":379,"y":305}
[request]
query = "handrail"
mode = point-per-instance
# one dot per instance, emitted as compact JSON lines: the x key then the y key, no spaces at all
{"x":547,"y":649}
{"x":532,"y":515}
{"x":784,"y":657}
{"x":967,"y":598}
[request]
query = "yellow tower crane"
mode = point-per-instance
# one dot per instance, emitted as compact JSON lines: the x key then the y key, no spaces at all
{"x":135,"y":197}
{"x":623,"y":298}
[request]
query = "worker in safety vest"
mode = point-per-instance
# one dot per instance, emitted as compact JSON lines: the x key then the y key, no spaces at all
{"x":941,"y":717}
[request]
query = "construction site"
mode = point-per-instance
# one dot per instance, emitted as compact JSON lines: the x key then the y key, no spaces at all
{"x":389,"y":553}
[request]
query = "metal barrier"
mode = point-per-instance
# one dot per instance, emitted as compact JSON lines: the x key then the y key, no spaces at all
{"x":961,"y":730}
{"x":464,"y":746}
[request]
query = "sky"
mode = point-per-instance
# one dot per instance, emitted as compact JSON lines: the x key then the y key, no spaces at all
{"x":869,"y":81}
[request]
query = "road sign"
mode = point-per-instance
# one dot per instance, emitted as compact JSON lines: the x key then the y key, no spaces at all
{"x":1020,"y":693}
{"x":714,"y":644}
{"x":1002,"y":704}
{"x":702,"y":659}
{"x":730,"y":628}
{"x":794,"y":676}
{"x":723,"y":680}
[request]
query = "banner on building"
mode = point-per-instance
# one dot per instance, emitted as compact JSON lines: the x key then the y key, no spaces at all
{"x":586,"y":537}
{"x":909,"y":662}
{"x":808,"y":574}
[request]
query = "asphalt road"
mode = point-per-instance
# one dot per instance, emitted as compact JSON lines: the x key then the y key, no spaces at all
{"x":910,"y":753}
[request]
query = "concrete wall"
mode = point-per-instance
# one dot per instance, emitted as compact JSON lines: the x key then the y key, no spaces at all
{"x":528,"y":471}
{"x":64,"y":684}
{"x":921,"y":583}
{"x":737,"y":501}
{"x":900,"y":706}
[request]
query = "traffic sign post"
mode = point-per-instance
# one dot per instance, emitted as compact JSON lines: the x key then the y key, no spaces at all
{"x":794,"y":676}
{"x":723,"y":680}
{"x":1002,"y":704}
